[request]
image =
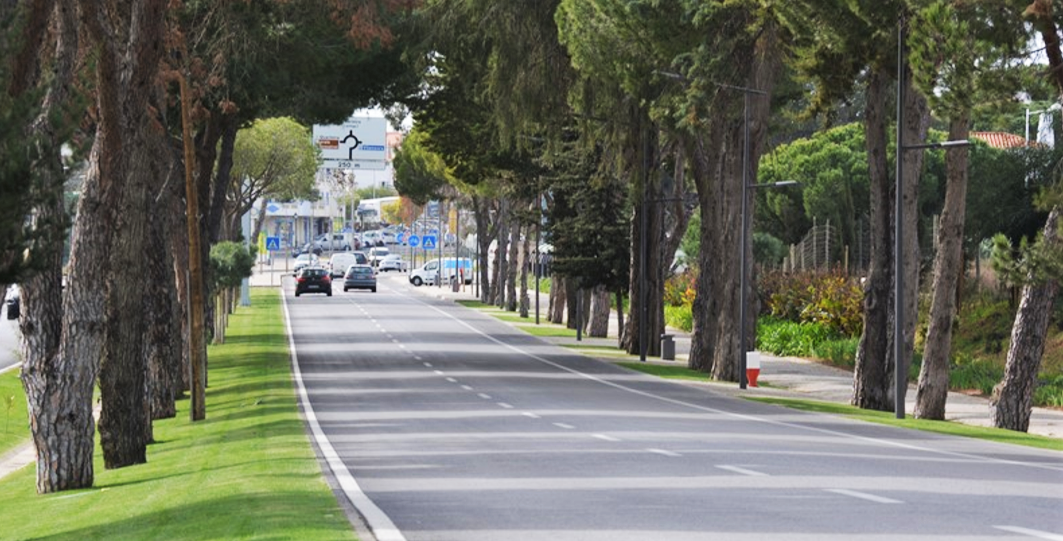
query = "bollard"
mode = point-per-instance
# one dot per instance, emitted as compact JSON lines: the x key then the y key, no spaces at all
{"x":752,"y":367}
{"x":667,"y":347}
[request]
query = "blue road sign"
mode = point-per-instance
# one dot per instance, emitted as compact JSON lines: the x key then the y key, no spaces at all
{"x":429,"y":242}
{"x":413,"y":241}
{"x":400,"y":237}
{"x":273,"y":244}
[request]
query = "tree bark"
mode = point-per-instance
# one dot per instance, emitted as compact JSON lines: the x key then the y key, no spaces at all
{"x":483,"y":239}
{"x":619,"y":318}
{"x":524,"y":263}
{"x":558,"y":299}
{"x":498,"y":285}
{"x":874,"y":365}
{"x":646,"y":281}
{"x":599,"y":327}
{"x":948,"y":266}
{"x":1012,"y":400}
{"x":572,"y":296}
{"x":126,"y":73}
{"x":511,"y":265}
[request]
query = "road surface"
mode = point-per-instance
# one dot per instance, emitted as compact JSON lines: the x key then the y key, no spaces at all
{"x":445,"y":424}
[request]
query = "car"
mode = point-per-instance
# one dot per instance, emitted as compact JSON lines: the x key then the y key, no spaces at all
{"x":313,"y":280}
{"x":376,"y":254}
{"x":359,"y":277}
{"x":392,"y":262}
{"x":429,"y":273}
{"x":338,"y":263}
{"x":13,"y":300}
{"x":305,"y":260}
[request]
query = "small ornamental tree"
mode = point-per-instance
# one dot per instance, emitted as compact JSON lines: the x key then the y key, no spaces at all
{"x":230,"y":263}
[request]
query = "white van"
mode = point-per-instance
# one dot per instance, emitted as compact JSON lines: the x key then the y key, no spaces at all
{"x":338,"y":263}
{"x":451,"y":267}
{"x":334,"y":241}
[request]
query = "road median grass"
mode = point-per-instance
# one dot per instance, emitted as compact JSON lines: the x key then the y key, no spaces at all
{"x":246,"y":472}
{"x":14,"y":429}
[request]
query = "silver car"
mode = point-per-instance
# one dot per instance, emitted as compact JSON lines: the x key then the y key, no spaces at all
{"x":359,"y":277}
{"x":392,"y":262}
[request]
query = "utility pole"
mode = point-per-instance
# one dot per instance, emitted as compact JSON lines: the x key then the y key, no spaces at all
{"x":197,"y":347}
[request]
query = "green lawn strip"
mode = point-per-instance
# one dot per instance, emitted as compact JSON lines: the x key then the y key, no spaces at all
{"x":14,"y":426}
{"x":247,"y":471}
{"x":940,"y":427}
{"x":667,"y":372}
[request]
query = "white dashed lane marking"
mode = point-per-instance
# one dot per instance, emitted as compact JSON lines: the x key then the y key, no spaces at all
{"x":664,"y":452}
{"x":742,"y":471}
{"x":862,"y":495}
{"x":565,"y":426}
{"x":606,"y":438}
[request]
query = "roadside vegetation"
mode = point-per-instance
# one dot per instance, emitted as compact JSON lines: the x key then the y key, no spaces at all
{"x":247,"y":471}
{"x":13,"y":429}
{"x":818,"y":315}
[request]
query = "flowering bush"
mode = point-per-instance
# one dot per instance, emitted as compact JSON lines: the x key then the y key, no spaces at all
{"x":831,"y":299}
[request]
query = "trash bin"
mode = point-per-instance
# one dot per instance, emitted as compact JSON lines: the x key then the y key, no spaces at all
{"x":667,"y":347}
{"x":455,"y":285}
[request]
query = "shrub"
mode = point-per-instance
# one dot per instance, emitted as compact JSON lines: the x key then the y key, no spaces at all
{"x":679,"y":290}
{"x":792,"y":339}
{"x":679,"y":317}
{"x":839,"y":352}
{"x":1049,"y":392}
{"x":832,"y":299}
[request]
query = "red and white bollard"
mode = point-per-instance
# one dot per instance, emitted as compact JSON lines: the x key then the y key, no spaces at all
{"x":752,"y":367}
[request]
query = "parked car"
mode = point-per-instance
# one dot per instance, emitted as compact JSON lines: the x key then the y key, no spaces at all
{"x":13,"y":300}
{"x":450,"y":268}
{"x":304,"y":260}
{"x":359,"y":277}
{"x":377,"y":254}
{"x":313,"y":280}
{"x":338,"y":263}
{"x":334,"y":241}
{"x":392,"y":262}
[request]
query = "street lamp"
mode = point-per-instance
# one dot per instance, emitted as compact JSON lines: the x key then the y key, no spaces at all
{"x":744,"y":264}
{"x":900,"y":366}
{"x":1051,"y":108}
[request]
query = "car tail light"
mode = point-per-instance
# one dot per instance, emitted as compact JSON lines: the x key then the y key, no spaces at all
{"x":300,"y":279}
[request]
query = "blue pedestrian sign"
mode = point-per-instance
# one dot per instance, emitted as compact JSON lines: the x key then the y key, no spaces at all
{"x":273,"y":244}
{"x":400,"y":237}
{"x":429,"y":242}
{"x":413,"y":241}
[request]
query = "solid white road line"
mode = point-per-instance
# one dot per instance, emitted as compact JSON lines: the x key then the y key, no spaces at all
{"x":1032,"y":533}
{"x":862,"y":495}
{"x":742,"y":471}
{"x":381,"y":525}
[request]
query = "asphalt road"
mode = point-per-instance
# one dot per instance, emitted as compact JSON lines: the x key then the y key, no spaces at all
{"x":444,"y":424}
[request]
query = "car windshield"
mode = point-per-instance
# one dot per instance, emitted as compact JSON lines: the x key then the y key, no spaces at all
{"x":361,"y":271}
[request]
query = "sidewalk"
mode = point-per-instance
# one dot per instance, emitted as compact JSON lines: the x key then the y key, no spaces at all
{"x":791,"y":376}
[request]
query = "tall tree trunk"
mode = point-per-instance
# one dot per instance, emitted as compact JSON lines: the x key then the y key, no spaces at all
{"x":874,"y":365}
{"x":498,"y":286}
{"x":1012,"y":400}
{"x":599,"y":327}
{"x":572,"y":296}
{"x":125,"y":81}
{"x":511,"y":266}
{"x":705,"y":153}
{"x":62,"y":334}
{"x":162,"y":347}
{"x":524,"y":263}
{"x":646,"y":281}
{"x":948,"y":266}
{"x":483,"y":240}
{"x":619,"y":318}
{"x":558,"y":299}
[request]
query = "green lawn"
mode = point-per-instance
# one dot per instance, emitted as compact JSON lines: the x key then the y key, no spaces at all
{"x":14,"y":428}
{"x":941,"y":427}
{"x":246,"y":472}
{"x":667,"y":372}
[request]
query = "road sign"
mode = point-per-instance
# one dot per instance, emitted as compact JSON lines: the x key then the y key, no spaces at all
{"x":273,"y":244}
{"x":358,"y":143}
{"x":429,"y":242}
{"x":400,"y":237}
{"x":413,"y":241}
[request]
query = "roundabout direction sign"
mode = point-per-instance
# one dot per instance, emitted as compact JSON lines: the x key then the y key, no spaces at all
{"x":413,"y":241}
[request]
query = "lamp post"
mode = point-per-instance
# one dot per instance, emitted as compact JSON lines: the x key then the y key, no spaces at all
{"x":900,"y":364}
{"x":744,"y":264}
{"x":1051,"y":108}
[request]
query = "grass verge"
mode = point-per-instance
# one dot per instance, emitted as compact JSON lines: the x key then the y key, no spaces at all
{"x":247,"y":471}
{"x":940,"y":427}
{"x":666,"y":372}
{"x":14,"y":428}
